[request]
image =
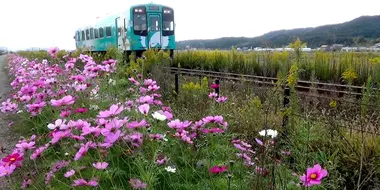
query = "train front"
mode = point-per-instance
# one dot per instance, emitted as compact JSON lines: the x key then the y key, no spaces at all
{"x":153,"y":27}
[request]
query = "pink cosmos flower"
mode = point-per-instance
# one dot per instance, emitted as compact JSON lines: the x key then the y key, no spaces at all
{"x":145,"y":100}
{"x":59,"y":123}
{"x":135,"y":124}
{"x":69,"y":173}
{"x":221,"y":99}
{"x":82,"y":182}
{"x":6,"y":170}
{"x":100,"y":165}
{"x":144,"y":109}
{"x":65,"y":113}
{"x":134,"y":81}
{"x":218,"y":169}
{"x":313,"y":176}
{"x":24,"y":145}
{"x":135,"y":138}
{"x":11,"y":159}
{"x":259,"y":142}
{"x":179,"y":125}
{"x":67,"y":100}
{"x":149,"y":82}
{"x":38,"y":152}
{"x":153,"y":88}
{"x":213,"y":95}
{"x":81,"y":110}
{"x":53,"y":51}
{"x":113,"y":111}
{"x":57,"y":136}
{"x":137,"y":184}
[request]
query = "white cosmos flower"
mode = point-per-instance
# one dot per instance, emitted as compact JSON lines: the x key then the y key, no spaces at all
{"x":269,"y":132}
{"x":170,"y":169}
{"x":158,"y":116}
{"x":111,"y":81}
{"x":58,"y":123}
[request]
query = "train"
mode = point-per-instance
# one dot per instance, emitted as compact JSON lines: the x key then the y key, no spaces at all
{"x":141,"y":27}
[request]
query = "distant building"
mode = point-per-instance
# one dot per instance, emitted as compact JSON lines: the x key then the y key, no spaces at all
{"x":336,"y":47}
{"x":324,"y":48}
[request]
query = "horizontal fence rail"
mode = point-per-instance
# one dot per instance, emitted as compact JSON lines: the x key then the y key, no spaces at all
{"x":301,"y":85}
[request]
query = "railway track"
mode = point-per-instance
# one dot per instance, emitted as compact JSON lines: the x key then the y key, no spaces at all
{"x":302,"y":86}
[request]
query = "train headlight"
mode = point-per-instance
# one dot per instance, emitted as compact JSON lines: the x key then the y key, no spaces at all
{"x":167,"y":11}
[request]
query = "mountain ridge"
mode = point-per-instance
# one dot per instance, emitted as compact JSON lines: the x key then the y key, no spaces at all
{"x":363,"y":30}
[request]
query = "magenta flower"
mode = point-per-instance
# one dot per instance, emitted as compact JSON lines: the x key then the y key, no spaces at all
{"x":65,"y":113}
{"x":100,"y":165}
{"x":81,"y":110}
{"x":214,"y":86}
{"x":313,"y":176}
{"x":218,"y":169}
{"x":11,"y":159}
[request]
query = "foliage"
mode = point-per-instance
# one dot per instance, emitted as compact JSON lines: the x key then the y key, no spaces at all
{"x":117,"y":129}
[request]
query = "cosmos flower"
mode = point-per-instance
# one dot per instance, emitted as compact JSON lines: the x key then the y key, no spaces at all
{"x":313,"y":176}
{"x":100,"y":165}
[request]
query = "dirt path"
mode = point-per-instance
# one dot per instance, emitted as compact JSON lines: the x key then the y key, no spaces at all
{"x":8,"y":139}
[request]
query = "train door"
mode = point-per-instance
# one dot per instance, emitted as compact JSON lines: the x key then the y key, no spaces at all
{"x":154,"y":31}
{"x":121,"y":33}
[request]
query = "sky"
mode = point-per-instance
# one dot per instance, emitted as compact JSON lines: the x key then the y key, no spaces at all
{"x":48,"y":23}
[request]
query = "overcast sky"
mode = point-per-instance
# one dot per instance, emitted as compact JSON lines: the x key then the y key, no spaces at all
{"x":46,"y":23}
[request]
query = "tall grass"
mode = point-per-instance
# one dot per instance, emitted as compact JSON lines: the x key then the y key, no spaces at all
{"x":328,"y":66}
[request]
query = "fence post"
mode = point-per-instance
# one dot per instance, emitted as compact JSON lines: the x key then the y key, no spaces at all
{"x":176,"y":82}
{"x":217,"y":88}
{"x":285,"y":105}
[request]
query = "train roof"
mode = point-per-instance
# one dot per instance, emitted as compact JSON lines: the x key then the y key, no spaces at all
{"x":151,"y":4}
{"x":109,"y":18}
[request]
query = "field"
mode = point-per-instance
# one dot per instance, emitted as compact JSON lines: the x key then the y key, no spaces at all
{"x":95,"y":121}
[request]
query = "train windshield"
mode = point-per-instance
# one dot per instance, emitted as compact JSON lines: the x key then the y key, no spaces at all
{"x":168,"y":22}
{"x":140,"y":22}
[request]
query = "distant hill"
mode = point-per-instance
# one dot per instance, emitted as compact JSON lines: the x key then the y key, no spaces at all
{"x":364,"y":30}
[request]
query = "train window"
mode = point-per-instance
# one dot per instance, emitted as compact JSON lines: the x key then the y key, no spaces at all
{"x":108,"y":31}
{"x":83,"y":36}
{"x":168,"y":22}
{"x":101,"y":32}
{"x":154,"y":23}
{"x":140,"y":24}
{"x":87,"y":34}
{"x":77,"y":36}
{"x":96,"y":32}
{"x":91,"y":33}
{"x":125,"y":25}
